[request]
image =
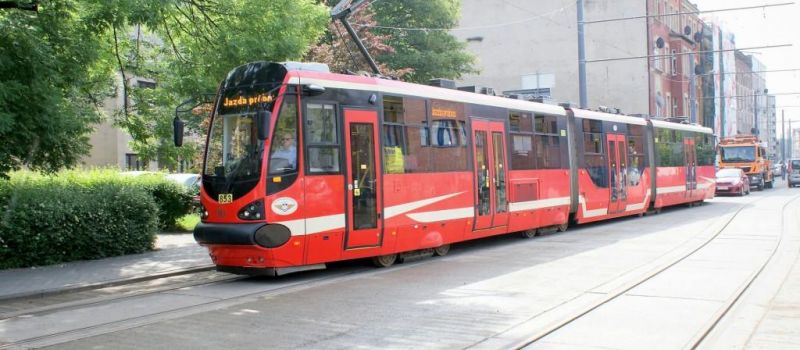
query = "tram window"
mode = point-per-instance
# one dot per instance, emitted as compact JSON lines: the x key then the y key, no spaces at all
{"x":321,"y":124}
{"x":637,"y":158}
{"x":593,"y":143}
{"x":595,"y":165}
{"x":449,"y":140}
{"x":592,"y":126}
{"x":520,"y":121}
{"x":393,"y":109}
{"x":449,"y":133}
{"x":323,"y":159}
{"x":548,"y":152}
{"x":546,"y":124}
{"x":283,"y":150}
{"x":448,"y":136}
{"x":522,"y":156}
{"x":405,"y":135}
{"x":670,"y":151}
{"x":705,"y":149}
{"x":321,"y":138}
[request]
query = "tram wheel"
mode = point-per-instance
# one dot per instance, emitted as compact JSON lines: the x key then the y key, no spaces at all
{"x":441,"y":250}
{"x":528,"y":233}
{"x":563,"y":227}
{"x":384,"y":260}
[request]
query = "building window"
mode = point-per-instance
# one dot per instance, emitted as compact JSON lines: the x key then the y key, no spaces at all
{"x":657,"y":62}
{"x":132,"y":162}
{"x":674,"y":64}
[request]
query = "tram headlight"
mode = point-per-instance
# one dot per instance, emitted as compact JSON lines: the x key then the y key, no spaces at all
{"x":203,"y":212}
{"x":252,"y":211}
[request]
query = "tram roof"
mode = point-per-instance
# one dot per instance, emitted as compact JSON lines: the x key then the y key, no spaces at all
{"x":408,"y":89}
{"x":619,"y":118}
{"x":678,"y":126}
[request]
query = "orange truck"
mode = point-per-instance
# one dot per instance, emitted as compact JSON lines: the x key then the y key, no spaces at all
{"x":747,"y":153}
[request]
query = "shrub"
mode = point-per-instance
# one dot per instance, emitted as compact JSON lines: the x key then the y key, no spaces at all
{"x":47,"y":220}
{"x":173,"y":201}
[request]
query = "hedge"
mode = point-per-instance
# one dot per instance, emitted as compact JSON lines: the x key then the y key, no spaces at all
{"x":83,"y":215}
{"x":173,"y":201}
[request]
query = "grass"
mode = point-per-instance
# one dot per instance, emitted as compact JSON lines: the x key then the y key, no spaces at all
{"x":188,"y":222}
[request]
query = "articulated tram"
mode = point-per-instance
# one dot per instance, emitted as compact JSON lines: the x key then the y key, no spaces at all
{"x":305,"y":167}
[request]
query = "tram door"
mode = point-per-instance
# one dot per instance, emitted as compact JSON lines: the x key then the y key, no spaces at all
{"x":491,"y":175}
{"x":617,"y":173}
{"x":364,"y":226}
{"x":690,"y":155}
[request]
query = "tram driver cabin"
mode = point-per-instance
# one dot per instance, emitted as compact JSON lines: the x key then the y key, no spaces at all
{"x":304,"y":167}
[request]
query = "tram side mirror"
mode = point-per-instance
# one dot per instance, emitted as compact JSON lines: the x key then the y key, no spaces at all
{"x":313,"y":90}
{"x":262,"y":123}
{"x":177,"y":131}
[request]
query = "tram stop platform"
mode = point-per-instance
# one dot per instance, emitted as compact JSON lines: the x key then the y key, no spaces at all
{"x":175,"y":253}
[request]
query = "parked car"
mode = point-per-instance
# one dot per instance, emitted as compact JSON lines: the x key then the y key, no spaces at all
{"x":189,"y":181}
{"x":732,"y":181}
{"x":777,"y":169}
{"x":793,"y":170}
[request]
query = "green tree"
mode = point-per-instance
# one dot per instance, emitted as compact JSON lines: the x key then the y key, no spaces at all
{"x":57,"y":67}
{"x":52,"y":76}
{"x":202,"y":42}
{"x":432,"y":53}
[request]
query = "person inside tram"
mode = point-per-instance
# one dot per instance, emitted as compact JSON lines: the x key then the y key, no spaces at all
{"x":285,"y":155}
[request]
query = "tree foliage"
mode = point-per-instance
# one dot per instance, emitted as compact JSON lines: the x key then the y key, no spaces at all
{"x":190,"y":46}
{"x":432,"y":53}
{"x":341,"y":54}
{"x":52,"y":74}
{"x":57,"y":67}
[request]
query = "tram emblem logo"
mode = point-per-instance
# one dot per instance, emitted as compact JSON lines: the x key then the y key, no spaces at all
{"x":284,"y":206}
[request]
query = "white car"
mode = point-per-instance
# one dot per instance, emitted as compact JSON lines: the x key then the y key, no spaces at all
{"x":777,"y":169}
{"x":189,"y":181}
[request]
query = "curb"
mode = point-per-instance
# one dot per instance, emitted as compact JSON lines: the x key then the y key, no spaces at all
{"x":105,"y":284}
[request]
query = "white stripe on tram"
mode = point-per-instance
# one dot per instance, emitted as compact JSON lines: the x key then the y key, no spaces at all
{"x":442,"y":215}
{"x":538,"y":204}
{"x":390,"y":212}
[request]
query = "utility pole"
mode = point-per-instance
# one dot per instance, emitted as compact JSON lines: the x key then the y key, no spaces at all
{"x":755,"y":114}
{"x":692,"y":90}
{"x":721,"y":91}
{"x":581,"y":58}
{"x":783,"y":136}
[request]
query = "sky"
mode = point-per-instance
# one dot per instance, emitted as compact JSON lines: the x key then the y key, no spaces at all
{"x":764,"y":27}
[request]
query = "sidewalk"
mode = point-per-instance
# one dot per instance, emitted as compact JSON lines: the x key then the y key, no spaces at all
{"x":175,"y":253}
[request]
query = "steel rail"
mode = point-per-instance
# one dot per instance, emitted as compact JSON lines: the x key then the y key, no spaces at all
{"x":550,"y":330}
{"x":733,"y":301}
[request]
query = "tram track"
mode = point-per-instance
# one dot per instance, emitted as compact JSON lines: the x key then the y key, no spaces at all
{"x":50,"y":302}
{"x":617,"y":293}
{"x":289,"y":284}
{"x":698,"y":341}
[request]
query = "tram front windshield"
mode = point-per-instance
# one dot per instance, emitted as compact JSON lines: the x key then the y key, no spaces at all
{"x":738,"y":153}
{"x":234,"y":154}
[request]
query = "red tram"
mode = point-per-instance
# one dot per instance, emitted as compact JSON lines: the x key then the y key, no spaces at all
{"x":305,"y":167}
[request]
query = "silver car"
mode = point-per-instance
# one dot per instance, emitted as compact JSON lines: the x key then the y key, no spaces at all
{"x":793,"y":170}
